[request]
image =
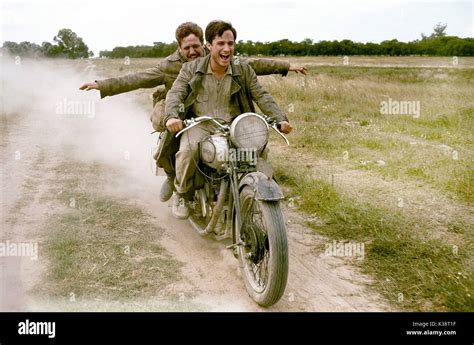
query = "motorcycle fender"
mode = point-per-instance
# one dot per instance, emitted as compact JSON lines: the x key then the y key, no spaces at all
{"x":265,"y":188}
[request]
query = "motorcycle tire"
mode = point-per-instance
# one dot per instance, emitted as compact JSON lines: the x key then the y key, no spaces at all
{"x":270,"y":246}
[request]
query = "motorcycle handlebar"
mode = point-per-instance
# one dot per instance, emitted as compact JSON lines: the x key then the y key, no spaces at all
{"x":189,"y":123}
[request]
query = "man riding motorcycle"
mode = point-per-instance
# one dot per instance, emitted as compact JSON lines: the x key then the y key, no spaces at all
{"x":214,"y":85}
{"x":191,"y":46}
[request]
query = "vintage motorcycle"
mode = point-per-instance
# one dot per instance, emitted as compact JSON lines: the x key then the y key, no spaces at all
{"x":237,"y":198}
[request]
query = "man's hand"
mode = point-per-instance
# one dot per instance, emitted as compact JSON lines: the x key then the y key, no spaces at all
{"x":285,"y":127}
{"x":174,"y":125}
{"x":297,"y":69}
{"x":89,"y":86}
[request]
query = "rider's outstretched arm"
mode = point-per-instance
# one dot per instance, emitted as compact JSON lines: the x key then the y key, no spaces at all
{"x":269,"y":66}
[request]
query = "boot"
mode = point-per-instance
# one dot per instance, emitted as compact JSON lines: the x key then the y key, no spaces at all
{"x":180,"y":208}
{"x":167,"y":188}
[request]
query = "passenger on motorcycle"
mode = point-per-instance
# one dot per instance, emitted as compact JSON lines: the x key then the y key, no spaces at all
{"x":190,"y":46}
{"x":214,"y":85}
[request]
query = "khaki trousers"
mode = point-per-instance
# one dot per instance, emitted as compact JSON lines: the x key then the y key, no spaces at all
{"x":187,"y":157}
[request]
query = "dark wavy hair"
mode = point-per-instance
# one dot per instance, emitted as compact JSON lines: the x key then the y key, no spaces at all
{"x":216,"y":28}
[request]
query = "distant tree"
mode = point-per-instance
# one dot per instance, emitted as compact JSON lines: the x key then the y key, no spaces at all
{"x":24,"y":48}
{"x":11,"y":47}
{"x":347,"y":47}
{"x":50,"y":50}
{"x":158,"y":49}
{"x":70,"y":45}
{"x":439,"y":30}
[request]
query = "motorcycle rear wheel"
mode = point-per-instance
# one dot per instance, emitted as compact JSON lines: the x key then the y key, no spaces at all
{"x":263,"y":254}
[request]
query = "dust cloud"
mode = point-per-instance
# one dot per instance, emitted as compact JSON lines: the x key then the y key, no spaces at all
{"x":43,"y":96}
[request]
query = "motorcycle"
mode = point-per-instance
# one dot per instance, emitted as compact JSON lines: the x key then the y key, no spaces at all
{"x":236,"y":197}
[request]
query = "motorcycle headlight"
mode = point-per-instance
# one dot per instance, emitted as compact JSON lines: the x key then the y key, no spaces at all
{"x":208,"y":151}
{"x":214,"y":151}
{"x":249,"y":131}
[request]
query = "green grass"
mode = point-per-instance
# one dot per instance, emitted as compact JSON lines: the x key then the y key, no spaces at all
{"x":337,"y":109}
{"x":399,"y":252}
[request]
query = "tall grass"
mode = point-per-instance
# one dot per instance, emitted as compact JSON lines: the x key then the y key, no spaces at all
{"x":337,"y":119}
{"x":412,"y":269}
{"x":337,"y":109}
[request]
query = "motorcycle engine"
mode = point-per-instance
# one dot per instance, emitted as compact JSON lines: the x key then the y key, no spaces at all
{"x":214,"y":151}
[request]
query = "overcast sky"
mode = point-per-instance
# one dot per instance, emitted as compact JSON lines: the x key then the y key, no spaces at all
{"x":107,"y":24}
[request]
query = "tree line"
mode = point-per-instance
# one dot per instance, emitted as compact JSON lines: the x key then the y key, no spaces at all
{"x":440,"y":46}
{"x":69,"y":45}
{"x":159,"y":49}
{"x":66,"y":45}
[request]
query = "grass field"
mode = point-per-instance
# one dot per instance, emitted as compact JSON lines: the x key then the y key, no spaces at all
{"x":399,"y":181}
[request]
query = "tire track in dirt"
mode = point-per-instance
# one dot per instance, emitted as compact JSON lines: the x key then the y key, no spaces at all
{"x":23,"y":180}
{"x":316,"y":282}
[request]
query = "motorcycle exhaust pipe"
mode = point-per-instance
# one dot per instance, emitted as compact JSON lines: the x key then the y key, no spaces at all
{"x":216,"y":212}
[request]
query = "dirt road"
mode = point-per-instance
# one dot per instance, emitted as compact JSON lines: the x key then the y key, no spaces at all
{"x":44,"y":147}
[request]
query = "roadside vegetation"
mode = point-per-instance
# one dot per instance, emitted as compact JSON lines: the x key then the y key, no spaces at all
{"x":399,"y":183}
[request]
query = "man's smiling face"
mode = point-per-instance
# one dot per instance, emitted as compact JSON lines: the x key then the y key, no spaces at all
{"x":191,"y":47}
{"x":222,"y":49}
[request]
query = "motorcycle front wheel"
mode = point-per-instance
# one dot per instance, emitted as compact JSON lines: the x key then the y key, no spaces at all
{"x":263,"y":249}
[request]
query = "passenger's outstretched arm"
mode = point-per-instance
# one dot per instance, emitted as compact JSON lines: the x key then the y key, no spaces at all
{"x":269,"y":66}
{"x":113,"y":86}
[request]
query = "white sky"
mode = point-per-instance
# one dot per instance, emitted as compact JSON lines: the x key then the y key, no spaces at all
{"x":109,"y":23}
